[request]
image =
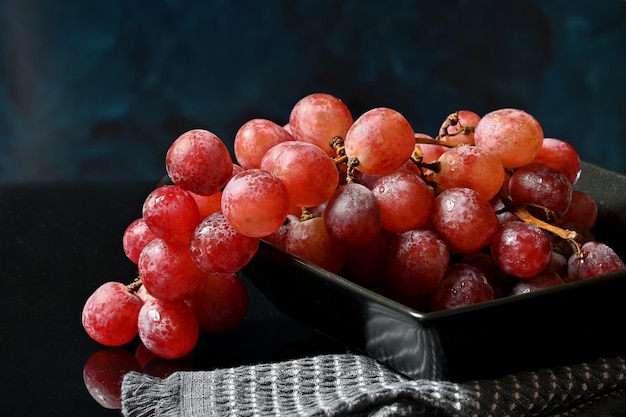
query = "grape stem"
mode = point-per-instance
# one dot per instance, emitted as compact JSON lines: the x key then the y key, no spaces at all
{"x":436,"y":141}
{"x":353,"y":163}
{"x":453,"y":120}
{"x":523,"y":213}
{"x":336,"y":142}
{"x":134,"y":286}
{"x":306,"y":214}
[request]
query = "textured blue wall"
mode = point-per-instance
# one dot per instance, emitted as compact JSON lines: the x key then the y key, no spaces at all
{"x":98,"y":90}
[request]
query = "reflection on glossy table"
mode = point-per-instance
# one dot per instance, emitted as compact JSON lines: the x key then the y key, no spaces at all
{"x":58,"y":243}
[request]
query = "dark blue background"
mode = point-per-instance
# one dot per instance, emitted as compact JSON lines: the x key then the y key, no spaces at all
{"x":98,"y":90}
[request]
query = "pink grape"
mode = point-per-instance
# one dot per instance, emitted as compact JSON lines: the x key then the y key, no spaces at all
{"x":429,"y":152}
{"x":597,"y":259}
{"x":557,"y":264}
{"x":513,"y":135}
{"x":464,"y":219}
{"x":405,"y":200}
{"x":169,"y":330}
{"x":521,"y":249}
{"x":416,"y":262}
{"x":136,"y":236}
{"x":310,"y":241}
{"x":541,"y":185}
{"x":255,"y":202}
{"x":279,"y":236}
{"x":583,"y":209}
{"x":461,"y":285}
{"x":366,"y":264}
{"x":319,"y":117}
{"x":171,"y":213}
{"x":208,"y":204}
{"x":221,"y":305}
{"x":110,"y":314}
{"x":308,"y":173}
{"x":560,"y":155}
{"x":466,"y":122}
{"x":269,"y":158}
{"x":254,"y":138}
{"x":199,"y":161}
{"x":470,"y":167}
{"x":218,"y":248}
{"x":168,"y":272}
{"x":544,"y":279}
{"x":365,"y":179}
{"x":503,"y":213}
{"x":352,"y":215}
{"x":500,"y":281}
{"x":381,"y":139}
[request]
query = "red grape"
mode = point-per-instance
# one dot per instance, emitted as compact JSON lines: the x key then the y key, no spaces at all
{"x":416,"y":262}
{"x":310,"y":241}
{"x":540,"y":185}
{"x":470,"y":167}
{"x":461,"y":285}
{"x":221,"y":305}
{"x":218,"y":248}
{"x":269,"y":158}
{"x":405,"y":200}
{"x":309,"y":174}
{"x":513,"y":135}
{"x":199,"y":161}
{"x":559,"y":155}
{"x":429,"y":152}
{"x":381,"y":139}
{"x":544,"y":279}
{"x":500,"y":281}
{"x":255,"y":202}
{"x":136,"y":236}
{"x":171,"y":213}
{"x":278,"y":237}
{"x":597,"y":259}
{"x":168,"y":272}
{"x":352,"y":215}
{"x":366,"y":264}
{"x":208,"y":204}
{"x":319,"y":117}
{"x":169,"y":330}
{"x":459,"y":127}
{"x":254,"y":138}
{"x":464,"y":219}
{"x":557,"y":264}
{"x":110,"y":314}
{"x":521,"y":249}
{"x":583,"y":209}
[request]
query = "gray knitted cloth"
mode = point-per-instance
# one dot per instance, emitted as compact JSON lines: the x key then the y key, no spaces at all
{"x":354,"y":385}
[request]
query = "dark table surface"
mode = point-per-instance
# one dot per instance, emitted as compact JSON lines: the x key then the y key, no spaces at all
{"x":58,"y":243}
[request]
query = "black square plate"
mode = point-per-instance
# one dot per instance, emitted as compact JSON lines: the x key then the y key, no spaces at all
{"x":562,"y":325}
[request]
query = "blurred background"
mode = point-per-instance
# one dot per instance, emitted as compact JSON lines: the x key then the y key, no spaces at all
{"x":98,"y":90}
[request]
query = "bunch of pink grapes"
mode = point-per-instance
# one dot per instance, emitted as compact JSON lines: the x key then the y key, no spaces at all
{"x":484,"y":209}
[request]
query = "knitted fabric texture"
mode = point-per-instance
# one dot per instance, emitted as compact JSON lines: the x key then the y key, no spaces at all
{"x":355,"y":385}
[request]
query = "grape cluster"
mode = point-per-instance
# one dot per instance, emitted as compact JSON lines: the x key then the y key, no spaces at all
{"x":485,"y":209}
